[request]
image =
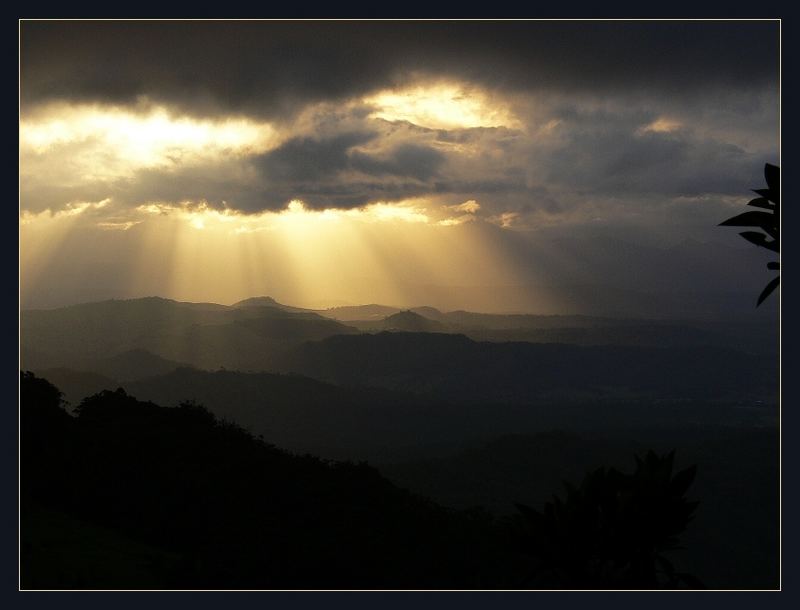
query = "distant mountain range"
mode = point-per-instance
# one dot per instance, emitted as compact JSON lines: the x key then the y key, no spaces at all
{"x":497,"y":359}
{"x":242,"y":336}
{"x":250,"y":334}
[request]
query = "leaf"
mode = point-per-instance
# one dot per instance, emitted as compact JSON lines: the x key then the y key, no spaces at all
{"x":772,"y":174}
{"x":768,"y":290}
{"x":760,"y":239}
{"x":761,"y":202}
{"x":766,"y":221}
{"x":681,"y":481}
{"x":750,"y":219}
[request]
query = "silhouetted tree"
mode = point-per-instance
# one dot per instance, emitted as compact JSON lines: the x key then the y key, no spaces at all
{"x":45,"y":437}
{"x":612,"y":530}
{"x":175,"y":498}
{"x":769,"y":221}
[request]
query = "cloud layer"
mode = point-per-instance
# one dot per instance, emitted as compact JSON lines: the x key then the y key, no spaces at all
{"x":650,"y":131}
{"x":271,"y":68}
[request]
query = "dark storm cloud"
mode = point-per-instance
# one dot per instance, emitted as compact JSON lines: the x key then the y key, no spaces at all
{"x":310,"y":159}
{"x":220,"y":185}
{"x":406,"y":161}
{"x":310,"y":168}
{"x":273,"y":68}
{"x":619,"y":162}
{"x":213,"y":185}
{"x":480,"y":187}
{"x":601,"y":84}
{"x":316,"y":159}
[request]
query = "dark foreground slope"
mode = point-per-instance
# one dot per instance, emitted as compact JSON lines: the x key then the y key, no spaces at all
{"x":172,"y":498}
{"x":128,"y":494}
{"x":733,"y":540}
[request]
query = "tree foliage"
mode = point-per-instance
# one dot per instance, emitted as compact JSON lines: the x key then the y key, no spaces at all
{"x":768,"y":221}
{"x":612,"y":531}
{"x":138,"y":483}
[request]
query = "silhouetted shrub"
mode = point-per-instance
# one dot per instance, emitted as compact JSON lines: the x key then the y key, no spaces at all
{"x":613,"y":529}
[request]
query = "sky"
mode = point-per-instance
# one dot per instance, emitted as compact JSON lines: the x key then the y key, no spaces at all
{"x":527,"y":166}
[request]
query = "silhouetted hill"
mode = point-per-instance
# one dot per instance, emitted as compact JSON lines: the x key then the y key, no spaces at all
{"x":91,"y":376}
{"x":457,"y":368}
{"x":529,"y":321}
{"x":307,"y":415}
{"x":174,"y":498}
{"x":199,"y":334}
{"x":255,"y":334}
{"x":758,"y":337}
{"x":646,"y":334}
{"x":429,"y":312}
{"x":77,"y":385}
{"x":350,"y":313}
{"x":258,"y":302}
{"x":270,"y":302}
{"x":133,"y":364}
{"x":289,"y":329}
{"x":410,"y":322}
{"x":90,"y":330}
{"x":293,"y":411}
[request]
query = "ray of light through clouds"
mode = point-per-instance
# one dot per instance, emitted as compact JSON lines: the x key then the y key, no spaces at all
{"x":509,"y":166}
